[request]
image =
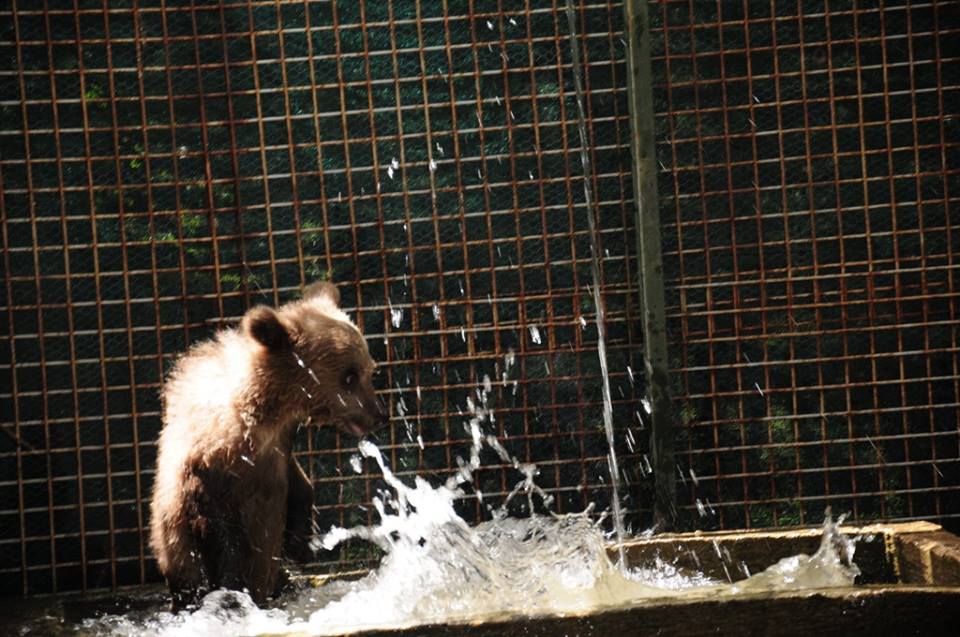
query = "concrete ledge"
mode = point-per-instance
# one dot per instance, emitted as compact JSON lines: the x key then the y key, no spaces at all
{"x":721,"y":554}
{"x":868,"y":611}
{"x":928,"y":558}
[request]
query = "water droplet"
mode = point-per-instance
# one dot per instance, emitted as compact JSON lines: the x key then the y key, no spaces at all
{"x":701,"y":509}
{"x":535,"y":334}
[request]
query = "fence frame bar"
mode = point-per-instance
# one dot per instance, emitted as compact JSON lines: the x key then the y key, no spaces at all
{"x":650,"y":266}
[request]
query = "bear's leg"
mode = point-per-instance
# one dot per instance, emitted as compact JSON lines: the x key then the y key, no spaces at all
{"x":264,"y":513}
{"x":201,"y":542}
{"x":220,"y":548}
{"x":216,"y":529}
{"x":299,"y":508}
{"x":182,"y":595}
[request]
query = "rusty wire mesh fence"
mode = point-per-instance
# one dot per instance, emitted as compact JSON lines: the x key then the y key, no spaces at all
{"x":810,"y":190}
{"x":164,"y":164}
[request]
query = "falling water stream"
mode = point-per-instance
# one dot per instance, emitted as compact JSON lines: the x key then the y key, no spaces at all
{"x":597,"y":299}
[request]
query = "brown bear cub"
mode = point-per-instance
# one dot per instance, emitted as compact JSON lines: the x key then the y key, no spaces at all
{"x":229,"y":500}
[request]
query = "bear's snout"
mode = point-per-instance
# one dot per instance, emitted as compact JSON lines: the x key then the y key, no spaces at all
{"x":362,"y":415}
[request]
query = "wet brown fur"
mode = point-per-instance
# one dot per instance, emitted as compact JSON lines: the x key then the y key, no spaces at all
{"x":229,"y":501}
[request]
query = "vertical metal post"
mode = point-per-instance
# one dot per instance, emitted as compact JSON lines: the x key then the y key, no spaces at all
{"x":640,"y":94}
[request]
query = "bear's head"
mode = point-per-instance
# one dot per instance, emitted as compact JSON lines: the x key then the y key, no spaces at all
{"x":315,"y":345}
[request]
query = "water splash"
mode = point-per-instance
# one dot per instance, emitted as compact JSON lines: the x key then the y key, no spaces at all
{"x":437,"y":568}
{"x":831,"y":565}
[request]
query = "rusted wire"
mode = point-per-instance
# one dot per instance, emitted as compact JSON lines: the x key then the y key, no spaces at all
{"x":810,"y":256}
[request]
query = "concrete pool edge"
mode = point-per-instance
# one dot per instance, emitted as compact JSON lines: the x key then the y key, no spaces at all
{"x":898,"y":552}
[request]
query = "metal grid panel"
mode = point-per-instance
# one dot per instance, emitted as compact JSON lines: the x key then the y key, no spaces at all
{"x":810,"y":198}
{"x":164,"y":164}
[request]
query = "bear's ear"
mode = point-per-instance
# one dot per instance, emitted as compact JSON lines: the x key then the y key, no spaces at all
{"x":263,"y":325}
{"x":322,"y":290}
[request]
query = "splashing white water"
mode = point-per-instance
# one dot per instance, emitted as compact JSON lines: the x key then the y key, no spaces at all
{"x":438,"y":568}
{"x":831,"y":565}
